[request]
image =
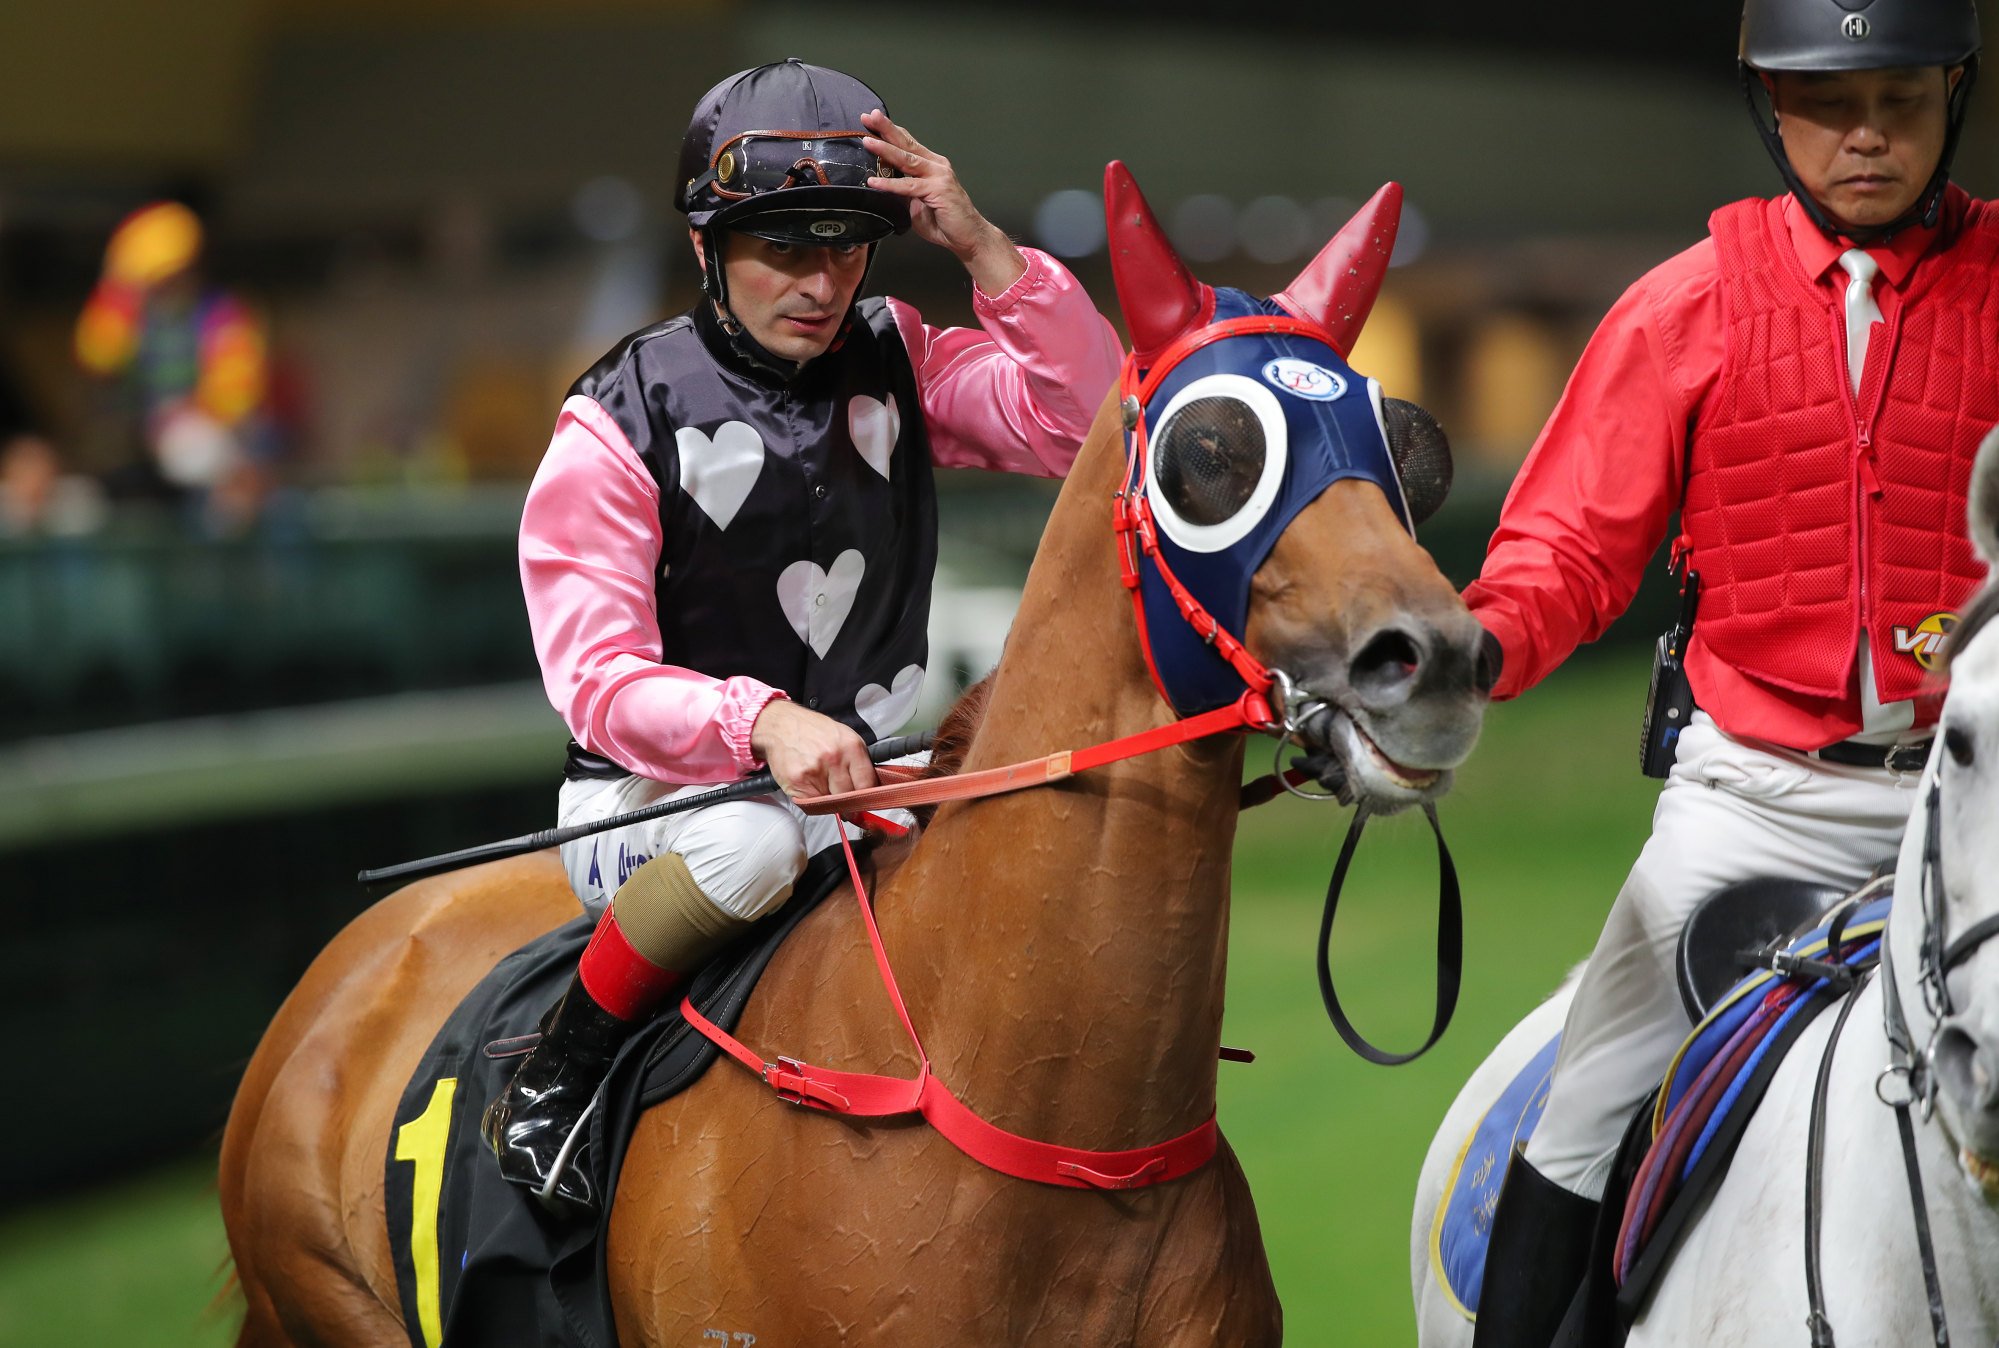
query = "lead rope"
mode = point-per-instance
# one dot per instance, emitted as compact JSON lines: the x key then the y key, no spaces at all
{"x":1450,"y":945}
{"x":1932,"y":1284}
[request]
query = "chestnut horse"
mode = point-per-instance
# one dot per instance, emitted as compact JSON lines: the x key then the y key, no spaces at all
{"x":1062,"y":950}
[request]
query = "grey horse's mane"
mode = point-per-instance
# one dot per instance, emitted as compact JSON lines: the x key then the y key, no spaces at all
{"x":1984,"y":523}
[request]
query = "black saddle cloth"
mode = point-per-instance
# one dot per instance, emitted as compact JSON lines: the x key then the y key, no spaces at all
{"x":499,"y":1269}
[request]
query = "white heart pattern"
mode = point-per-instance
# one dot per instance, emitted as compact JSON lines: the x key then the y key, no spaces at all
{"x":875,"y":428}
{"x":816,"y":602}
{"x":888,"y":709}
{"x":718,"y":473}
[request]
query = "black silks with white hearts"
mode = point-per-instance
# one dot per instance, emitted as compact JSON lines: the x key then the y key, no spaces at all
{"x":799,"y":520}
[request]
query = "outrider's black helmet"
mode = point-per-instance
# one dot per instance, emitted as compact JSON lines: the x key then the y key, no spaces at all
{"x":776,"y":152}
{"x":1830,"y":35}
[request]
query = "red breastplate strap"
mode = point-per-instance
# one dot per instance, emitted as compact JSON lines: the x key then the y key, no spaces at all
{"x":867,"y":1095}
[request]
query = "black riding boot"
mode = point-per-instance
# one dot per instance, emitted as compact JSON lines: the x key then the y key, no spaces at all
{"x":1535,"y":1261}
{"x":533,"y":1125}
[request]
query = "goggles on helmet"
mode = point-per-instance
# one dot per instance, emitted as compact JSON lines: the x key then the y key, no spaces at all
{"x":756,"y":162}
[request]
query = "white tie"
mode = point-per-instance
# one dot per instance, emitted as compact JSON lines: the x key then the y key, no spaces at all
{"x":1861,"y":311}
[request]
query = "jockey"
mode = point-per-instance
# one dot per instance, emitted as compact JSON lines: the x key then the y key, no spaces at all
{"x":728,"y":549}
{"x":1806,"y":387}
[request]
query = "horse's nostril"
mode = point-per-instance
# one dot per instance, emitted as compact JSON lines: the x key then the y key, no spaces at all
{"x":1387,"y":661}
{"x":1490,"y":657}
{"x":1964,"y":1071}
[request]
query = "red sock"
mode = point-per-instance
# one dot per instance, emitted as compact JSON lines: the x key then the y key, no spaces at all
{"x":617,"y":977}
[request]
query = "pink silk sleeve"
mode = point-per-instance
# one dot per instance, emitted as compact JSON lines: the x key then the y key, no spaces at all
{"x":1019,"y":392}
{"x":590,"y":542}
{"x":1592,"y":501}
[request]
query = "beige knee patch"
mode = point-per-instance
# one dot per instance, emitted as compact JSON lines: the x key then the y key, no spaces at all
{"x":667,"y":918}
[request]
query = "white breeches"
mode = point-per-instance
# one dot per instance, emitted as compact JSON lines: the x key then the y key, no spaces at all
{"x":1730,"y":810}
{"x":744,"y":854}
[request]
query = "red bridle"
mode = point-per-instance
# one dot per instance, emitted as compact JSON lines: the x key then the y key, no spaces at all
{"x":1131,"y":509}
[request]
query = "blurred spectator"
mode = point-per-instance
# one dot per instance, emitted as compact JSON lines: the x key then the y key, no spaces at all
{"x":36,"y":496}
{"x":191,"y":361}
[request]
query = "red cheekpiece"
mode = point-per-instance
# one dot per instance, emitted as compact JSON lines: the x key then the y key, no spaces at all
{"x":620,"y":979}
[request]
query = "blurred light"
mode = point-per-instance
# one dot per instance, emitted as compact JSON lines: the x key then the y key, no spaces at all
{"x":1274,"y":229}
{"x":607,"y":209}
{"x":1070,"y":223}
{"x":1204,"y":228}
{"x":1513,"y":374}
{"x":1413,"y":237}
{"x":1390,"y":349}
{"x":1328,"y":214}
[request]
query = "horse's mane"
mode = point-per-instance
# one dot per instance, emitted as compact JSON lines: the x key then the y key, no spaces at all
{"x":954,"y":738}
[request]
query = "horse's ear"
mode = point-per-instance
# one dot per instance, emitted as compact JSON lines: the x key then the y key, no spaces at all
{"x":1985,"y":501}
{"x":1159,"y":296}
{"x":1338,"y":287}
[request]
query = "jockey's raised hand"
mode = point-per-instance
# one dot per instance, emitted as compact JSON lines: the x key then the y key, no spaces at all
{"x":810,"y":754}
{"x":940,"y":211}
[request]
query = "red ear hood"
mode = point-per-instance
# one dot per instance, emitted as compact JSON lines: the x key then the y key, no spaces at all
{"x":1337,"y":288}
{"x":1159,"y":296}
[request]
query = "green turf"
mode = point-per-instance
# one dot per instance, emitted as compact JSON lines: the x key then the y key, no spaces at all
{"x":136,"y":1266}
{"x":1543,"y":823}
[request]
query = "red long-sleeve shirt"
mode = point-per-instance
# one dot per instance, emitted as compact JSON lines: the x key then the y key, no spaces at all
{"x":1593,"y":500}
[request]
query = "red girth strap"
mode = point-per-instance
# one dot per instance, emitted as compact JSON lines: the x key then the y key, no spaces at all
{"x":866,"y":1095}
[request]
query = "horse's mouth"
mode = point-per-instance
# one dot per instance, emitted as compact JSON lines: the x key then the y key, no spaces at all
{"x":1982,"y":1171}
{"x":1408,"y":778}
{"x":1349,"y":761}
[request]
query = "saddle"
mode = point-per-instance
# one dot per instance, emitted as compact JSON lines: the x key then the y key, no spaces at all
{"x":477,"y":1259}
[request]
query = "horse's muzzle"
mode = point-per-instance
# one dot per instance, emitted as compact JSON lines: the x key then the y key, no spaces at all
{"x":1966,"y":1065}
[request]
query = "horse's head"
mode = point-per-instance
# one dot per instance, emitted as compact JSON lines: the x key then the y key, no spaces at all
{"x":1279,"y":490}
{"x":1960,"y":890}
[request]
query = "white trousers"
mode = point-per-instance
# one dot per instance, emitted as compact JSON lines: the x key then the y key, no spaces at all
{"x":1730,"y":810}
{"x":744,"y":854}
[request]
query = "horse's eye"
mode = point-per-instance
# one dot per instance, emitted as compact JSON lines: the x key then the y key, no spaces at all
{"x":1210,"y":458}
{"x":1959,"y":743}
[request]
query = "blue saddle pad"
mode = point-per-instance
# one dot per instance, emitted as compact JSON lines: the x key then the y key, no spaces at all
{"x":1463,"y":1225}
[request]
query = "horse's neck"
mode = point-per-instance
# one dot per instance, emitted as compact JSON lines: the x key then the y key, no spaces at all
{"x":1072,"y":938}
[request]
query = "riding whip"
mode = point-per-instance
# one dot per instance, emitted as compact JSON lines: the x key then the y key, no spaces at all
{"x":762,"y":784}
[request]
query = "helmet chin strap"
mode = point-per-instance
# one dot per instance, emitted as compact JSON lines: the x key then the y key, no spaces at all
{"x":715,"y":286}
{"x":1928,"y":206}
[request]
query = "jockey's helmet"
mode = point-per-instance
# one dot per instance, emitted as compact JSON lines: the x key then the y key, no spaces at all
{"x":776,"y":152}
{"x":1833,"y":35}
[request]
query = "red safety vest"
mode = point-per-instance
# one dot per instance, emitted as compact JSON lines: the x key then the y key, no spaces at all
{"x":1813,"y":512}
